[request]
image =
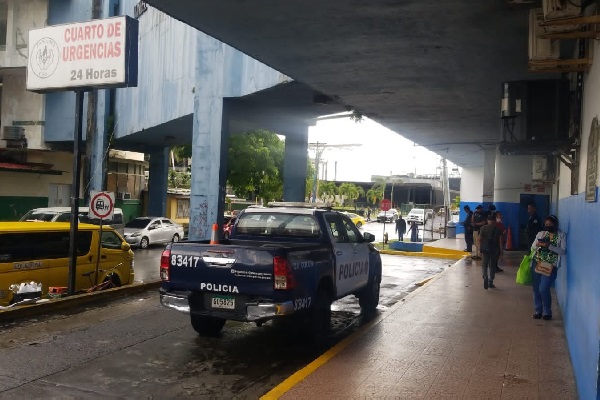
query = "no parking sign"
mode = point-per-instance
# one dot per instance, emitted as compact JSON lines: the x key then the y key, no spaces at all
{"x":102,"y":205}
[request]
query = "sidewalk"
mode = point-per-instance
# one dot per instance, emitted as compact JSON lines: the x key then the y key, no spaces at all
{"x":448,"y":339}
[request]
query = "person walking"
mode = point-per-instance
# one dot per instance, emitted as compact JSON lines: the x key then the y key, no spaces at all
{"x":414,"y":232}
{"x":534,"y":224}
{"x":368,"y":213}
{"x":400,"y":227}
{"x":478,"y":221}
{"x":490,"y":238}
{"x":468,"y":224}
{"x":549,"y":245}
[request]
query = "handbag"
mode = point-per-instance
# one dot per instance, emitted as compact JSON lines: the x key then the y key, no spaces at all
{"x":543,"y":267}
{"x":524,"y":274}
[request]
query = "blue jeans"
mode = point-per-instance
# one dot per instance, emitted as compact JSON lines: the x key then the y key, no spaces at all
{"x":542,"y":299}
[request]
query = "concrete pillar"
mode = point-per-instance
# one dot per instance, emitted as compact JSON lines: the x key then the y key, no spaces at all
{"x":294,"y":165}
{"x":207,"y":150}
{"x":158,"y":182}
{"x":471,"y":191}
{"x":513,"y":173}
{"x":489,"y":175}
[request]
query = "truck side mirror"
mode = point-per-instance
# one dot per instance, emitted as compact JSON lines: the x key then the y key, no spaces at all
{"x":369,"y":237}
{"x":125,"y":246}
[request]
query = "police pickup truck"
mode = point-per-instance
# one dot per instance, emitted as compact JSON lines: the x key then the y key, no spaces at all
{"x":284,"y":262}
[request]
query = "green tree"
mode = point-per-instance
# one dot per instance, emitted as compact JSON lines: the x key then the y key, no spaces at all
{"x":326,"y":189}
{"x":310,"y":176}
{"x":255,"y":165}
{"x":351,"y":192}
{"x":376,"y":192}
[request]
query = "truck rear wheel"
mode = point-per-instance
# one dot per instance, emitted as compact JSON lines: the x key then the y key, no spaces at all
{"x":369,"y":298}
{"x":207,"y":326}
{"x":320,"y":316}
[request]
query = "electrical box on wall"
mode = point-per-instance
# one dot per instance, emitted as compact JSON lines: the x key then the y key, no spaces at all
{"x":535,"y":115}
{"x":543,"y":169}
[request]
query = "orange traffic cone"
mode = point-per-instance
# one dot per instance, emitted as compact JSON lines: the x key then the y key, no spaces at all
{"x":509,"y":239}
{"x":214,"y":236}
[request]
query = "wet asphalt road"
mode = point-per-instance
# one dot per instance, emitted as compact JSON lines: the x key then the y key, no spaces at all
{"x":134,"y":348}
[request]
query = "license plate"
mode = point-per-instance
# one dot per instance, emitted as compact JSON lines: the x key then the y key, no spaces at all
{"x":223,"y":302}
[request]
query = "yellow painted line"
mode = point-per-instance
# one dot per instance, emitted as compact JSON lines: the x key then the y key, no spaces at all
{"x":452,"y":256}
{"x":301,"y":374}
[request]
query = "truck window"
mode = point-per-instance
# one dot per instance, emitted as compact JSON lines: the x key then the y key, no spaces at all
{"x":277,"y":224}
{"x":336,"y":228}
{"x":351,"y":231}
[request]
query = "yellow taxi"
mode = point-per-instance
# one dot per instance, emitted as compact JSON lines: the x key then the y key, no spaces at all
{"x":357,"y":219}
{"x":36,"y":255}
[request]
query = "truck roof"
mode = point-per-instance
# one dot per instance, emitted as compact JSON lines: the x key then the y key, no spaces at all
{"x":284,"y":210}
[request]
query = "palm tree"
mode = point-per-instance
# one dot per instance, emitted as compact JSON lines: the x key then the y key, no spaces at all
{"x":350,"y":191}
{"x":327,"y":189}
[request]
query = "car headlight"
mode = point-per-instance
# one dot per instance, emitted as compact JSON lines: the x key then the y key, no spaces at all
{"x":136,"y":234}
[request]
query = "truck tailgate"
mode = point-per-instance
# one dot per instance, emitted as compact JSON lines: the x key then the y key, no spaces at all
{"x":224,"y":269}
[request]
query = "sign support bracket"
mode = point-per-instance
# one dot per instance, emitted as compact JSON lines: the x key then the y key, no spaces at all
{"x":75,"y":188}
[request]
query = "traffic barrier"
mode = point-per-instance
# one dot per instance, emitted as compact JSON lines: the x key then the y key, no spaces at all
{"x":214,"y":236}
{"x":509,"y":239}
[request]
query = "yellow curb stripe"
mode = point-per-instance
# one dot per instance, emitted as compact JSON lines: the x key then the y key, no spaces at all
{"x":301,"y":374}
{"x":451,"y":256}
{"x":424,"y":281}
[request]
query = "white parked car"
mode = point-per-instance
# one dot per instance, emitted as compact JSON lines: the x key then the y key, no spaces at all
{"x":63,"y":214}
{"x":419,"y":215}
{"x":144,"y":231}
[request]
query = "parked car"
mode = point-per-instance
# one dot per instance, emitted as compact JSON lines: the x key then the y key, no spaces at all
{"x":63,"y":214}
{"x":419,"y":215}
{"x":357,"y":219}
{"x":144,"y":231}
{"x":390,"y":215}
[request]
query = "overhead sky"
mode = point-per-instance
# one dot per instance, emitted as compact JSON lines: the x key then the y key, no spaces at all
{"x":381,"y":151}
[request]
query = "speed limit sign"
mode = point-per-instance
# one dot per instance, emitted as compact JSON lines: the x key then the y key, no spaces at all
{"x":102,"y":205}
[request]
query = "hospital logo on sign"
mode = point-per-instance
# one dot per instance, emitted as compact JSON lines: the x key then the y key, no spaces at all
{"x":45,"y":57}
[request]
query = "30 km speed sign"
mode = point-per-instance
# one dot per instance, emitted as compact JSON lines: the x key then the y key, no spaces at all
{"x":102,"y":205}
{"x":385,"y":205}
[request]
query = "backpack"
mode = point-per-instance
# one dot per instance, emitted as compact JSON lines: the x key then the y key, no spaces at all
{"x":491,"y":243}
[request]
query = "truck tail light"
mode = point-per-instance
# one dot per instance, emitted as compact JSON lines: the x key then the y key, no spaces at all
{"x":165,"y":263}
{"x":282,"y":273}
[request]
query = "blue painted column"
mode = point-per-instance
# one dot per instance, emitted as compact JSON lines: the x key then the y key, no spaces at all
{"x":294,"y":165}
{"x":207,"y":138}
{"x":158,"y":182}
{"x":99,"y":156}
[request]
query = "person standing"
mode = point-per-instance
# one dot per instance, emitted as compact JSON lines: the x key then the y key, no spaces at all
{"x":549,"y":245}
{"x":502,"y":228}
{"x":468,"y":224}
{"x":400,"y":227}
{"x":490,"y":238}
{"x":368,"y":213}
{"x":534,"y":224}
{"x":478,"y":221}
{"x":414,"y":232}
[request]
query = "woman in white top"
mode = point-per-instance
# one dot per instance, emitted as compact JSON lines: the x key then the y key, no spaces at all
{"x":549,"y":245}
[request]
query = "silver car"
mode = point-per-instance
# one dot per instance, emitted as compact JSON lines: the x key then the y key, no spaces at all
{"x":144,"y":231}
